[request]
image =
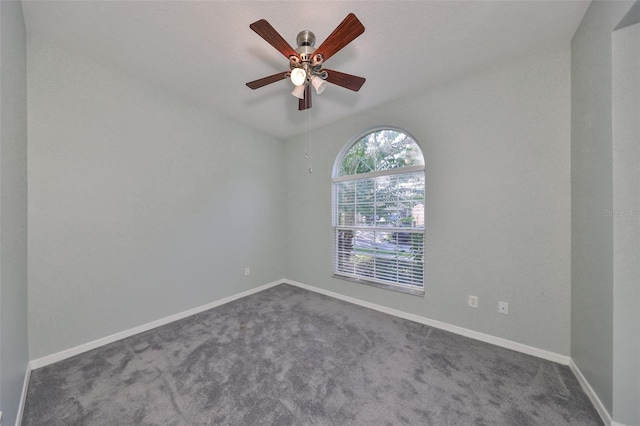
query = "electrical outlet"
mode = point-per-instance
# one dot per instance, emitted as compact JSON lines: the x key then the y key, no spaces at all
{"x":503,"y":308}
{"x":247,"y":271}
{"x":473,"y":301}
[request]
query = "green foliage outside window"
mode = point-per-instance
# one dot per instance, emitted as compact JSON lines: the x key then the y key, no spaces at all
{"x":381,"y":150}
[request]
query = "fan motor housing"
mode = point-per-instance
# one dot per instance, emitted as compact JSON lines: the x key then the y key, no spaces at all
{"x":306,"y":40}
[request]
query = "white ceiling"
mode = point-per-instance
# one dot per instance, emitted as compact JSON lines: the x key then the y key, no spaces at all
{"x":205,"y":50}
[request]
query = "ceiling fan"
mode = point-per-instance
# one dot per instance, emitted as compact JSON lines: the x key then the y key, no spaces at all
{"x":306,"y":62}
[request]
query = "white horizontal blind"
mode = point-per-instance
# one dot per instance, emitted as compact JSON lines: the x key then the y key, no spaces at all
{"x":379,"y":228}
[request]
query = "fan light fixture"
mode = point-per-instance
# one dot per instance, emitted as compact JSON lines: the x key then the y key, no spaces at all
{"x":298,"y":92}
{"x":298,"y":77}
{"x":319,"y":84}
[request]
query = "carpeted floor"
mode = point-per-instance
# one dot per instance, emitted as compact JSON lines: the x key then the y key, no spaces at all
{"x":287,"y":356}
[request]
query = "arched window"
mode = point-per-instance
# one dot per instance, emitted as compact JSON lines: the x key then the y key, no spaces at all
{"x":378,"y":211}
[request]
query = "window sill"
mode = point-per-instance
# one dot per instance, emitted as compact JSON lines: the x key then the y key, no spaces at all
{"x":397,"y":288}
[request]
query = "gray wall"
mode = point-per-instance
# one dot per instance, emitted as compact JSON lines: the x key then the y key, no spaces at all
{"x":497,"y":148}
{"x":626,"y":221}
{"x":141,"y":205}
{"x":14,"y":351}
{"x":592,"y":195}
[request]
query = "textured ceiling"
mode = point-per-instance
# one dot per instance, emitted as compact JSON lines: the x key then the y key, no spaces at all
{"x":206,"y":52}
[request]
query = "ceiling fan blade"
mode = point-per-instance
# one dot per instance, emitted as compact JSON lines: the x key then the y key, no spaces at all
{"x":306,"y":102}
{"x":348,"y":81}
{"x":345,"y":33}
{"x":256,"y":84}
{"x":267,"y":32}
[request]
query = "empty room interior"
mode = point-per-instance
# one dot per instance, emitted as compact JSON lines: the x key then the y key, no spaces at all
{"x":441,"y":226}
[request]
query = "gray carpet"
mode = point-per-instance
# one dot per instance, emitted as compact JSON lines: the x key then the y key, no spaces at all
{"x":287,"y":356}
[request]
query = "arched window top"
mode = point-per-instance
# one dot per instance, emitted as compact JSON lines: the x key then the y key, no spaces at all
{"x":379,"y":150}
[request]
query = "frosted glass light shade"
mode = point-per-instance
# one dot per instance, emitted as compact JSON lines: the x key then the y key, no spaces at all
{"x":298,"y":76}
{"x":298,"y":92}
{"x":318,"y":84}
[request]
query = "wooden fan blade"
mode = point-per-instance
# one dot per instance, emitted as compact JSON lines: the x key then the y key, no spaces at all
{"x":348,"y":81}
{"x":256,"y":84}
{"x":306,"y":102}
{"x":267,"y":32}
{"x":345,"y":33}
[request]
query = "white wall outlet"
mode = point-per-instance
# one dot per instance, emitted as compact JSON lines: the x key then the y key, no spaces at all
{"x":247,"y":271}
{"x":503,"y":308}
{"x":473,"y":301}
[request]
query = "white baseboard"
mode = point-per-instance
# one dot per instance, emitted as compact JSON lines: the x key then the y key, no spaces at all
{"x":593,"y":396}
{"x":23,"y":396}
{"x":509,"y":344}
{"x":497,"y":341}
{"x":68,"y":353}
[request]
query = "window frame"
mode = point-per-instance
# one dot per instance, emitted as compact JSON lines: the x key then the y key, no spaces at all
{"x":337,"y":178}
